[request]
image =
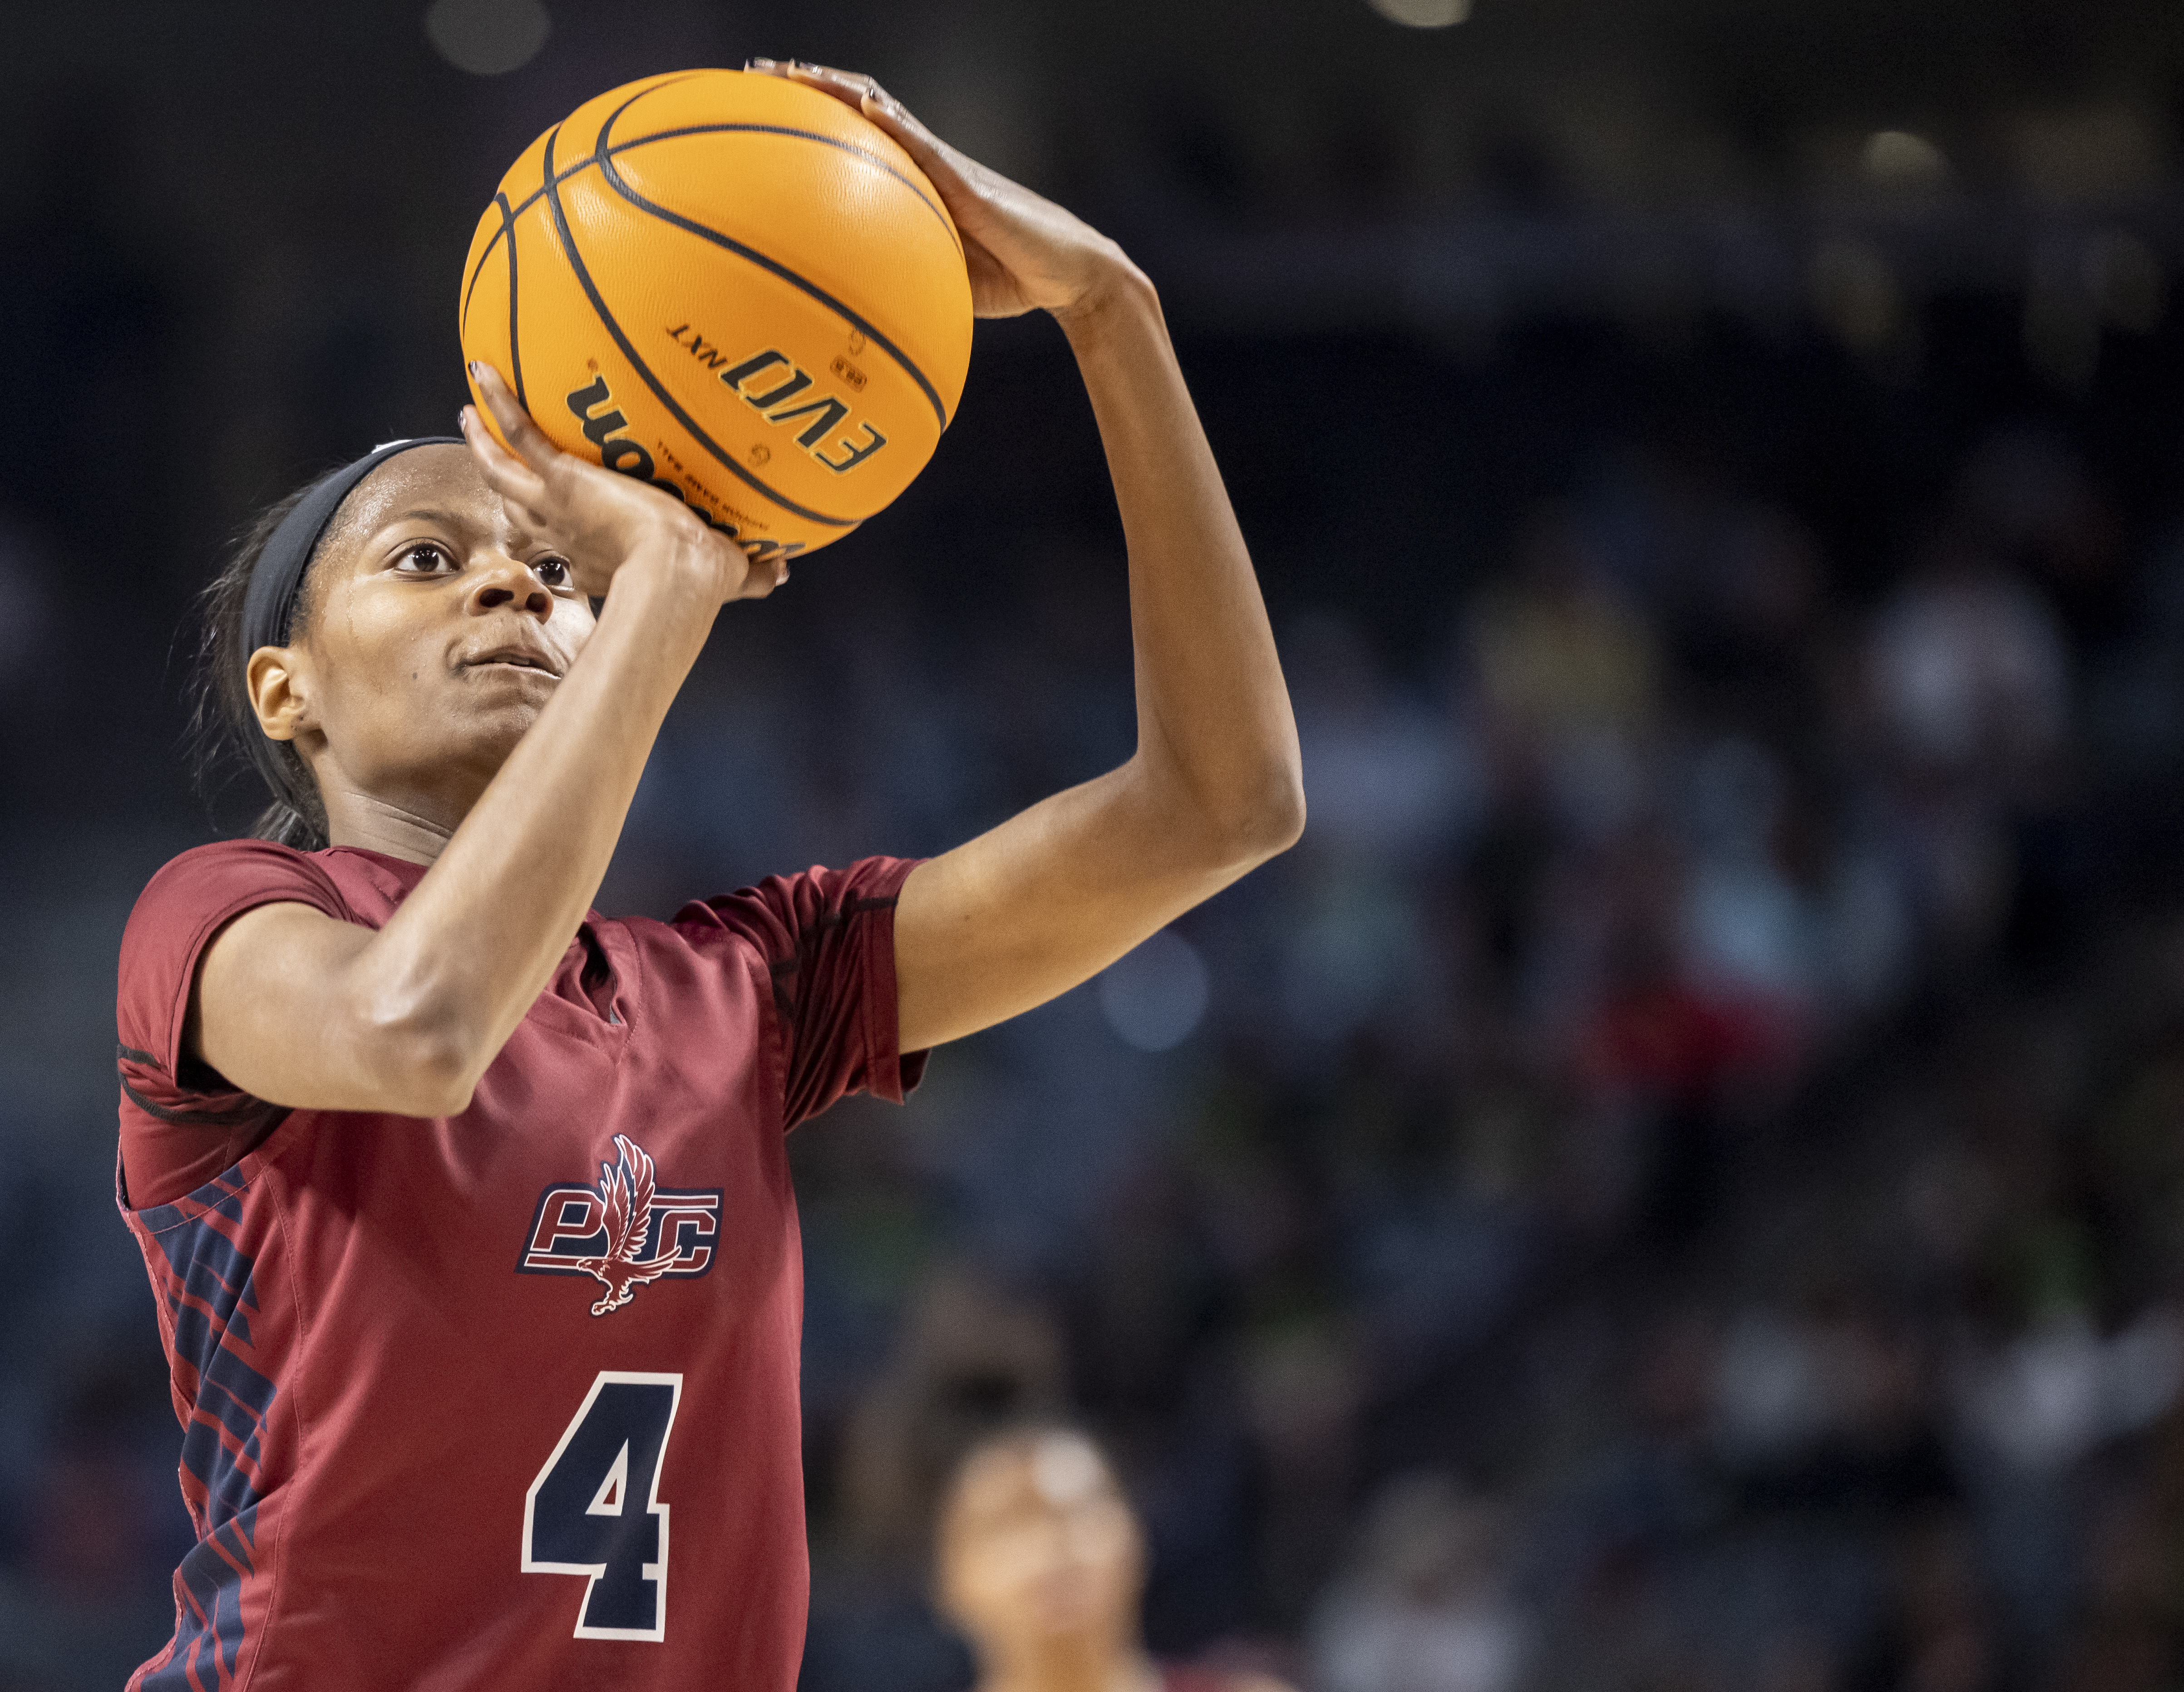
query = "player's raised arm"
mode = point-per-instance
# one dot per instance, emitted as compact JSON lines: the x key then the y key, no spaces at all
{"x":1034,"y":906}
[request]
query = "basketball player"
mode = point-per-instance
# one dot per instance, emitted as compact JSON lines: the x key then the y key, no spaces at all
{"x":1040,"y":1562}
{"x":466,"y":1210}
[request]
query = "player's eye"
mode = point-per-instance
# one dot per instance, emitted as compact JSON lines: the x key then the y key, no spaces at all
{"x":554,"y":572}
{"x":425,"y":558}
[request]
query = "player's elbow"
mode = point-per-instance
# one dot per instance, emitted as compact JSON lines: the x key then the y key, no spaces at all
{"x":1263,"y":821}
{"x":419,"y":1058}
{"x":1280,"y":823}
{"x":433,"y":1089}
{"x":422,"y":1074}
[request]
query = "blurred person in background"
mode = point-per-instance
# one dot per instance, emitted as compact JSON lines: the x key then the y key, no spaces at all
{"x":1970,"y":686}
{"x":1040,"y":1562}
{"x":969,"y":1358}
{"x":1570,"y":674}
{"x":1426,"y":1605}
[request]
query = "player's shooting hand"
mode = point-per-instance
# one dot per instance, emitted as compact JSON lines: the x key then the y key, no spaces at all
{"x":1024,"y":252}
{"x":602,"y":519}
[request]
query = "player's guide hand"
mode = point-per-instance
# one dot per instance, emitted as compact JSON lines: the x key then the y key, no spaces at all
{"x":601,"y":519}
{"x":1025,"y":254}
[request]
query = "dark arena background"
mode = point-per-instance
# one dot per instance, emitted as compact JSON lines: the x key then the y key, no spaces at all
{"x":1678,"y":1181}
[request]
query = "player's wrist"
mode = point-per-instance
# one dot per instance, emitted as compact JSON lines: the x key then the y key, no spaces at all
{"x":1115,"y":291}
{"x":674,"y":577}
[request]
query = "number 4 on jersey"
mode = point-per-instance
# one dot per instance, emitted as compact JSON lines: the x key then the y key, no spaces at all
{"x":595,"y":1508}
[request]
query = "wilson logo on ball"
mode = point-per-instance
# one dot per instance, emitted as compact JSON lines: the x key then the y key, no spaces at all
{"x":775,"y":383}
{"x":626,"y":457}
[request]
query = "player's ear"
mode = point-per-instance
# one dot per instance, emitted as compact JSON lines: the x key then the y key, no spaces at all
{"x":280,"y":680}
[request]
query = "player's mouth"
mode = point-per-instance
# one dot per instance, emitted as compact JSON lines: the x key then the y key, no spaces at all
{"x":512,"y":658}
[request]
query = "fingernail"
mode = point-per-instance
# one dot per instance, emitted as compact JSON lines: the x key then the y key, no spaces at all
{"x":477,"y":370}
{"x":758,"y":65}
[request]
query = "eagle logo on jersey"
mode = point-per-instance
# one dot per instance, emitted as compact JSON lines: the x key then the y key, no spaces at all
{"x":624,"y":1232}
{"x":625,"y":1189}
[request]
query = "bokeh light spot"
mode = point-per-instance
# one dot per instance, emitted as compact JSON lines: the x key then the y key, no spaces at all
{"x":1422,"y":14}
{"x":1154,"y":997}
{"x":487,"y":37}
{"x":1898,"y":156}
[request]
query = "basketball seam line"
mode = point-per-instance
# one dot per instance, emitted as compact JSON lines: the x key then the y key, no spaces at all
{"x":463,"y":321}
{"x":515,"y":340}
{"x":669,"y":82}
{"x":644,"y":370}
{"x":849,"y":147}
{"x":585,"y":163}
{"x":602,"y":156}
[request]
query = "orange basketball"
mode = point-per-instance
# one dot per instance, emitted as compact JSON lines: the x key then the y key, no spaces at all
{"x":734,"y":288}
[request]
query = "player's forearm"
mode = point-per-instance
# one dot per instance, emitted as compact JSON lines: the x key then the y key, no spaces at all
{"x":1216,"y":738}
{"x":456,"y":968}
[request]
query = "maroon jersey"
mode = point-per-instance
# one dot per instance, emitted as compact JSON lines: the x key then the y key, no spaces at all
{"x":510,"y":1398}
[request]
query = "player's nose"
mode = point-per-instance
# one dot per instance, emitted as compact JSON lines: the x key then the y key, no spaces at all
{"x":505,"y":582}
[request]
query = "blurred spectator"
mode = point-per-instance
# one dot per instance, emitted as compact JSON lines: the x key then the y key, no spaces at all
{"x":1970,"y":688}
{"x":968,"y":1358}
{"x":2048,"y":1397}
{"x":1424,"y":1603}
{"x":1570,"y":676}
{"x":1970,"y":677}
{"x":1395,"y":784}
{"x":1040,"y":1562}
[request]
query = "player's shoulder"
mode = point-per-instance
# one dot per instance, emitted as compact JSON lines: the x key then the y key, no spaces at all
{"x":216,"y":856}
{"x":228,"y":860}
{"x":218,"y":860}
{"x":228,"y":874}
{"x":180,"y":909}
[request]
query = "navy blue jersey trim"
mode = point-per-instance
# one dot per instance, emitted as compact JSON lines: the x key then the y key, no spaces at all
{"x":209,"y":1629}
{"x":210,"y":1297}
{"x":256,"y":1110}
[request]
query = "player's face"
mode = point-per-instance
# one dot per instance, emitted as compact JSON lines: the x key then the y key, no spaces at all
{"x":1037,"y":1549}
{"x":439,"y":628}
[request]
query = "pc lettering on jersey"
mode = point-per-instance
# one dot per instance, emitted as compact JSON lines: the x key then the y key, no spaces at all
{"x":624,"y":1232}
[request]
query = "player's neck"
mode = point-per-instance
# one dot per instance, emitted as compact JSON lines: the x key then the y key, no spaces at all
{"x":377,"y":825}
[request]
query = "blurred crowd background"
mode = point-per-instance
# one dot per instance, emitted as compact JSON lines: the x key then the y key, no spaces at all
{"x":1677,"y":1183}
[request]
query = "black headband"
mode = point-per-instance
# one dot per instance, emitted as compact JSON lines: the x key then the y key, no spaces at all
{"x":269,"y":603}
